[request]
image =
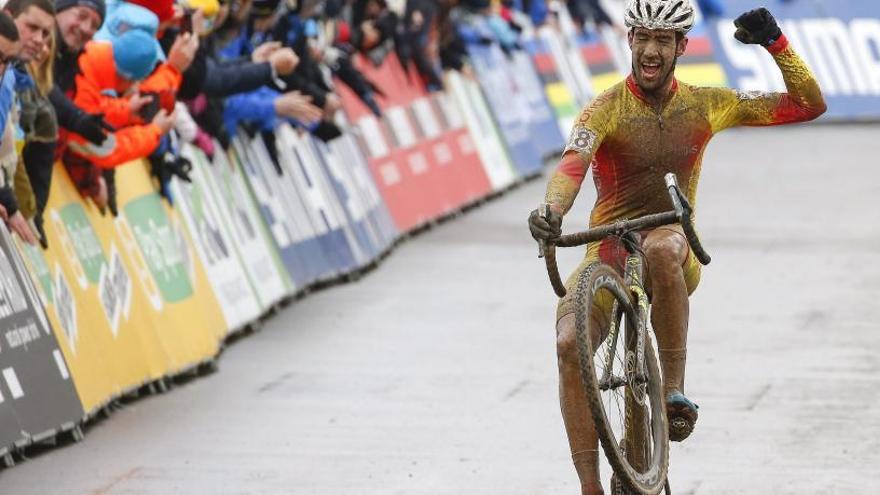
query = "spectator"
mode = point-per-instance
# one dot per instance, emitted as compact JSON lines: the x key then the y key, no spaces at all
{"x":10,"y":45}
{"x":108,"y":71}
{"x":292,"y":29}
{"x":419,"y":23}
{"x":77,"y":22}
{"x":35,"y":20}
{"x":452,"y":49}
{"x":264,"y":107}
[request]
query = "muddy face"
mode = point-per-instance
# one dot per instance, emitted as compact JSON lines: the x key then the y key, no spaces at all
{"x":654,"y":54}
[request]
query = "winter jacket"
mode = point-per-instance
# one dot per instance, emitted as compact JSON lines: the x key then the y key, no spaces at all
{"x":95,"y":92}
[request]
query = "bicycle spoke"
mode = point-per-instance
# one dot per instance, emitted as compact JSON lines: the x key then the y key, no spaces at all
{"x":624,"y":405}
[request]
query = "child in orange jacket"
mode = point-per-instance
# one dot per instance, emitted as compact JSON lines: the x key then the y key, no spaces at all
{"x":108,"y":71}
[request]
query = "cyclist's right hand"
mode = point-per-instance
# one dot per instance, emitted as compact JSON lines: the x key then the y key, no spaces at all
{"x":546,"y":227}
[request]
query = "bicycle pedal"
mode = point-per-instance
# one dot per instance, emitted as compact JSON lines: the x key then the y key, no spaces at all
{"x":680,"y":428}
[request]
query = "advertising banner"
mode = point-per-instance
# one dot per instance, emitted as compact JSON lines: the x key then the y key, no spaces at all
{"x":255,"y":251}
{"x":546,"y":134}
{"x":550,"y":62}
{"x":214,"y":245}
{"x":509,"y":108}
{"x":125,"y":296}
{"x":85,"y":288}
{"x":323,"y":217}
{"x":183,"y":311}
{"x":455,"y":162}
{"x":281,"y":211}
{"x":355,"y":205}
{"x":401,"y":160}
{"x":481,"y":126}
{"x":37,"y":395}
{"x":348,"y":166}
{"x":839,"y":41}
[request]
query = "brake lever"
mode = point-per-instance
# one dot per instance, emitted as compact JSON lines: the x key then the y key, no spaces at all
{"x":676,"y":196}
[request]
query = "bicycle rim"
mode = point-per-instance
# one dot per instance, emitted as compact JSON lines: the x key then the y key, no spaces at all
{"x":629,"y":413}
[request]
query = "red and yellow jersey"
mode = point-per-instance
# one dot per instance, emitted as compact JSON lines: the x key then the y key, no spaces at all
{"x":631,"y":145}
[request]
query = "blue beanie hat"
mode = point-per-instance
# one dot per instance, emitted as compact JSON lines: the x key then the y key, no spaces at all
{"x":135,"y":54}
{"x":96,"y":5}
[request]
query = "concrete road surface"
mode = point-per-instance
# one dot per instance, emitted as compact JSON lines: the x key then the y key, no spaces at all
{"x":436,"y":374}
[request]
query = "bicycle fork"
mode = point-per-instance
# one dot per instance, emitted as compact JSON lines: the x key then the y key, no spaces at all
{"x":633,"y":275}
{"x":638,"y":375}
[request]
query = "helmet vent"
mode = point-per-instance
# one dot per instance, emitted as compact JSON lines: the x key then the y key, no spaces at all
{"x":673,"y":10}
{"x":681,"y":18}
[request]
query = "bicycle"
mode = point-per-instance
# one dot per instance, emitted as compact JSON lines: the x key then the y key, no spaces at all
{"x":638,"y":448}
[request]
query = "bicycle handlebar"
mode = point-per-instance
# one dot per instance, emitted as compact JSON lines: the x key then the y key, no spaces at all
{"x":681,"y":214}
{"x":683,"y":210}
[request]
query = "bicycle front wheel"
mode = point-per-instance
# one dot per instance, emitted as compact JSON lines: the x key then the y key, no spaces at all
{"x":625,"y":393}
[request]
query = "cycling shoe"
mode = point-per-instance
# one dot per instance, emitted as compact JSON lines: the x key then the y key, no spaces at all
{"x":682,"y":415}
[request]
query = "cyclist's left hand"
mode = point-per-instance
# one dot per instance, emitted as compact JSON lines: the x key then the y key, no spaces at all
{"x":757,"y":27}
{"x":544,"y":228}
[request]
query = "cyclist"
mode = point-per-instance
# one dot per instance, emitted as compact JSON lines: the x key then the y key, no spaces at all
{"x":631,"y":136}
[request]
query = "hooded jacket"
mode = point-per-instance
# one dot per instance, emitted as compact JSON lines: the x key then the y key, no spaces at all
{"x":95,"y":92}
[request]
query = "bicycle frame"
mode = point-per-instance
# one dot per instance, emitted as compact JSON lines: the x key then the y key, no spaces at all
{"x":638,"y":424}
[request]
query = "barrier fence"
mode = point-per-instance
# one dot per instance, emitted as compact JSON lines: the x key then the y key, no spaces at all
{"x":117,"y":303}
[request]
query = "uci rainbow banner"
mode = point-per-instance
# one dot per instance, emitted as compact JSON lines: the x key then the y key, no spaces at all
{"x":839,"y":40}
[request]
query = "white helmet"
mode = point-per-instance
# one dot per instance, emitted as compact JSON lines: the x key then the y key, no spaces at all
{"x":660,"y":14}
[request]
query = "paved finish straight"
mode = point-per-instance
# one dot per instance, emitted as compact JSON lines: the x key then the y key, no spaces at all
{"x":436,"y":374}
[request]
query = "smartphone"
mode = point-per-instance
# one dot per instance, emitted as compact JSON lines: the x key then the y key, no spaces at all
{"x":186,"y":23}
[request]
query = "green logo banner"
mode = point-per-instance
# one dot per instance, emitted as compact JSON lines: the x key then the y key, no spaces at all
{"x":85,"y":241}
{"x":40,"y":269}
{"x":161,"y":247}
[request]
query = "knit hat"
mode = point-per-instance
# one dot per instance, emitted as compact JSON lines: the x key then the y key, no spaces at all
{"x":126,"y":17}
{"x":96,"y":5}
{"x":135,"y":54}
{"x":164,"y":9}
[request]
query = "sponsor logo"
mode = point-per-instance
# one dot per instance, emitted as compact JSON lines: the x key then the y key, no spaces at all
{"x":841,"y":53}
{"x":65,"y":307}
{"x":161,"y":246}
{"x":36,"y":265}
{"x":114,"y":290}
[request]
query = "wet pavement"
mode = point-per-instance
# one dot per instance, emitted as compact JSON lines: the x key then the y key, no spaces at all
{"x":436,"y":373}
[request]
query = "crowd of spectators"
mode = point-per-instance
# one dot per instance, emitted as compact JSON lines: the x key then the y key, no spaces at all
{"x":96,"y":84}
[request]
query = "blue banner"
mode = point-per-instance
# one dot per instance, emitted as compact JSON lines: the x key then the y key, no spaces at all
{"x":839,"y":40}
{"x":545,"y":134}
{"x":302,"y":255}
{"x":508,"y":107}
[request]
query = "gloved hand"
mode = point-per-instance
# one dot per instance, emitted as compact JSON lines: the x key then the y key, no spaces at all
{"x":110,"y":179}
{"x":181,"y":167}
{"x":93,"y":127}
{"x":41,"y":231}
{"x":757,"y":27}
{"x":544,"y":228}
{"x":167,"y":165}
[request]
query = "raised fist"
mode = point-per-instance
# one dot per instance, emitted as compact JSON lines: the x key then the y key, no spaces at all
{"x":757,"y":27}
